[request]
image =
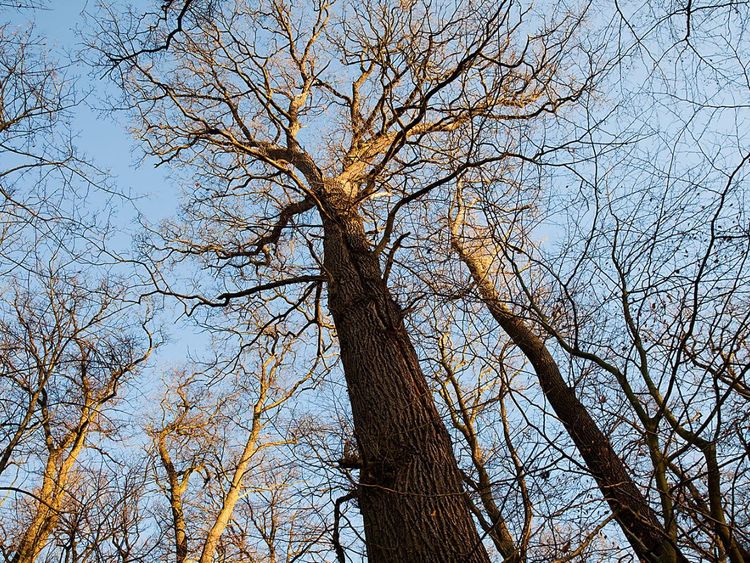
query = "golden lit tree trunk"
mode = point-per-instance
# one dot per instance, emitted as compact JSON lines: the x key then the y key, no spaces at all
{"x":50,"y":497}
{"x":233,"y":493}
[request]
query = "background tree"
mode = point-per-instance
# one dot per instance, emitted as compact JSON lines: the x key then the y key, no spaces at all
{"x":42,"y":173}
{"x":218,"y":454}
{"x":65,"y":358}
{"x":70,"y":339}
{"x":644,"y":270}
{"x":630,"y":508}
{"x":591,"y":290}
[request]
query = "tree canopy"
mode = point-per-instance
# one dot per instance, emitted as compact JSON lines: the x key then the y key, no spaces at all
{"x":471,"y":279}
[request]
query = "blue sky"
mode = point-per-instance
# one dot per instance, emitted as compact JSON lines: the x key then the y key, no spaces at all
{"x":104,"y":140}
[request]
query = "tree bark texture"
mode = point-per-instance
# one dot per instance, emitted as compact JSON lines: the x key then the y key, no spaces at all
{"x":411,"y":495}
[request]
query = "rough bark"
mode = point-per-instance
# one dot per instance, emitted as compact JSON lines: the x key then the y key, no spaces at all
{"x":630,"y":508}
{"x":410,"y":495}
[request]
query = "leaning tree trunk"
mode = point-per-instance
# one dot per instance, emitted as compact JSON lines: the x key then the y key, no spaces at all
{"x":410,"y":492}
{"x":47,"y":515}
{"x":630,"y":508}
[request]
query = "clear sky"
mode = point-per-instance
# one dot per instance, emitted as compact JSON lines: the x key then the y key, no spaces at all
{"x":104,"y":140}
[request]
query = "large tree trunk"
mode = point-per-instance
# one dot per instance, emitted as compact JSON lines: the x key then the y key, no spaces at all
{"x":630,"y":508}
{"x":410,"y":493}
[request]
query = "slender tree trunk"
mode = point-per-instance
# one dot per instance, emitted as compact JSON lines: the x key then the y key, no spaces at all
{"x":737,"y":553}
{"x":233,"y":494}
{"x":50,"y":497}
{"x":630,"y":508}
{"x":411,"y":495}
{"x":46,"y":516}
{"x":176,"y":488}
{"x":177,"y":485}
{"x":499,"y":532}
{"x":496,"y":529}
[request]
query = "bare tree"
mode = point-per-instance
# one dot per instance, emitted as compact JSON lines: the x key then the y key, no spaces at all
{"x":675,"y":337}
{"x":227,"y":434}
{"x":42,"y":173}
{"x":69,"y":344}
{"x":239,"y":86}
{"x":107,"y":518}
{"x":641,"y":278}
{"x":630,"y":508}
{"x":66,"y":354}
{"x":386,"y":184}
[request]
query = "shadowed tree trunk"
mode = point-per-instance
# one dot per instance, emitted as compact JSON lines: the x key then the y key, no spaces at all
{"x":255,"y":93}
{"x":630,"y":508}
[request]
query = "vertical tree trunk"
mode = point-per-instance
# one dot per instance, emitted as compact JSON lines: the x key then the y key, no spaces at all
{"x":177,"y":485}
{"x":178,"y":526}
{"x":410,"y":494}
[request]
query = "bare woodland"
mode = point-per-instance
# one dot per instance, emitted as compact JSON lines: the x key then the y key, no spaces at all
{"x":473,"y":279}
